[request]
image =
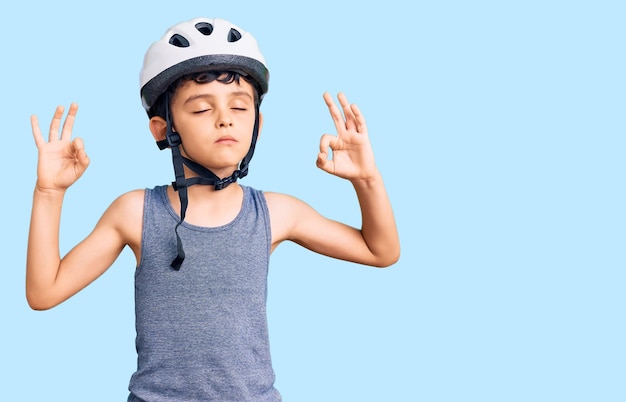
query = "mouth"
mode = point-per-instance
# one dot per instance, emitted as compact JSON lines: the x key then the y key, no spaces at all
{"x":226,"y":139}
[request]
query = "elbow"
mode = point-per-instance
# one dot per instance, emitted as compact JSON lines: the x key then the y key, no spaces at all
{"x":388,"y":259}
{"x":387,"y":263}
{"x":36,"y":304}
{"x":39,"y":302}
{"x":37,"y":307}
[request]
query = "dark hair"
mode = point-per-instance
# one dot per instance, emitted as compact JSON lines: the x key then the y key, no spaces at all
{"x":225,"y":77}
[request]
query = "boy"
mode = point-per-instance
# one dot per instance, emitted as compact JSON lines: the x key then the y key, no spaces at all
{"x":203,"y":243}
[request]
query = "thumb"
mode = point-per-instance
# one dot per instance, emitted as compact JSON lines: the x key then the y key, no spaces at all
{"x":80,"y":154}
{"x":328,"y":165}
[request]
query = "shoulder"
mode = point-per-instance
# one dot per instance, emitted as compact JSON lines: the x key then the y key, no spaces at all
{"x":129,"y":202}
{"x":125,"y":214}
{"x":278,"y":202}
{"x":288,"y":215}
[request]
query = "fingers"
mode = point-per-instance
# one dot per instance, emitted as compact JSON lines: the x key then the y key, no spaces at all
{"x":55,"y":124}
{"x":69,"y":122}
{"x":347,"y":111}
{"x":325,"y":164}
{"x":79,"y":151}
{"x":326,"y":142}
{"x":352,"y":118}
{"x":359,"y":119}
{"x":334,"y":111}
{"x":53,"y":134}
{"x":34,"y":123}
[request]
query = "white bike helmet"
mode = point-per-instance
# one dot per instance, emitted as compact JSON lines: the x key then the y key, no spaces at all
{"x":196,"y":46}
{"x":199,"y":45}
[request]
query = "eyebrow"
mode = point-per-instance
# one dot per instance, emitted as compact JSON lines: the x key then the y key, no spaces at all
{"x":232,"y":94}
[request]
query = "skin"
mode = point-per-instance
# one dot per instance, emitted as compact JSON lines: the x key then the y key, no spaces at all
{"x":215,"y":122}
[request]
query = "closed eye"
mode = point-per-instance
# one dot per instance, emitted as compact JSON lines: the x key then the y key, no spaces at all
{"x":201,"y":111}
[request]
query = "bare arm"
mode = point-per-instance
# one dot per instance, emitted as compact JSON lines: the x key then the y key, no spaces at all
{"x":376,"y":243}
{"x":51,"y":279}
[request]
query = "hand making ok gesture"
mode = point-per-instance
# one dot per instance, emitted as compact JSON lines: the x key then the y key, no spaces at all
{"x":352,"y":155}
{"x":61,"y":160}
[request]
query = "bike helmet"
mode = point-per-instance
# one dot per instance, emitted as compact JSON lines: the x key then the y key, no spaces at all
{"x":195,"y":46}
{"x":199,"y":45}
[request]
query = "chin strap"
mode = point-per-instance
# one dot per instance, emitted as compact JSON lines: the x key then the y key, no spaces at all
{"x":205,"y":176}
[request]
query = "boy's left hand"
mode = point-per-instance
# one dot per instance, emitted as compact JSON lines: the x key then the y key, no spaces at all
{"x":352,"y":155}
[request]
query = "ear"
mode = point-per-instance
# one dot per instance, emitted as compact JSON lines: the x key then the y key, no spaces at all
{"x":158,"y":128}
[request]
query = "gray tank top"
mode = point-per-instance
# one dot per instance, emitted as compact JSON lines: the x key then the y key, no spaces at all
{"x":202,"y":331}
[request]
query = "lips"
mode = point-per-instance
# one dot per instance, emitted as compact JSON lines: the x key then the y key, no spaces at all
{"x":226,"y":139}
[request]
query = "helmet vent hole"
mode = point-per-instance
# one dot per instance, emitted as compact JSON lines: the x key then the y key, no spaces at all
{"x":234,"y":35}
{"x":205,"y":28}
{"x":179,"y":41}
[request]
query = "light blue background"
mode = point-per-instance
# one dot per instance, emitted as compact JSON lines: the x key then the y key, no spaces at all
{"x":499,"y":127}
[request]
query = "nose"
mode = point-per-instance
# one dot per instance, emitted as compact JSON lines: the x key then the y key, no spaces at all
{"x":224,"y":118}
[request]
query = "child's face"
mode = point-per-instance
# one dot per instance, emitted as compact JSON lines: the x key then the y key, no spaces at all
{"x":215,"y":122}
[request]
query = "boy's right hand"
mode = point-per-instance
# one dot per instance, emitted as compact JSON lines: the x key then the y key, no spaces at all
{"x":61,"y":160}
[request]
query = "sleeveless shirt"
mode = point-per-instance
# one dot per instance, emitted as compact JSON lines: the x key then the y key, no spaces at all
{"x":202,"y":331}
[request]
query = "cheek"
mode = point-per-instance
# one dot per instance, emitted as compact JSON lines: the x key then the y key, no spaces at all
{"x":247,"y":121}
{"x":190,"y":124}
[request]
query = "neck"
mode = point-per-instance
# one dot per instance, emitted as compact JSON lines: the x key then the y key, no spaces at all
{"x":209,"y":207}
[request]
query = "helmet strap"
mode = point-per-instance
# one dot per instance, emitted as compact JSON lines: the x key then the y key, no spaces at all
{"x":174,"y":141}
{"x":206,"y":176}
